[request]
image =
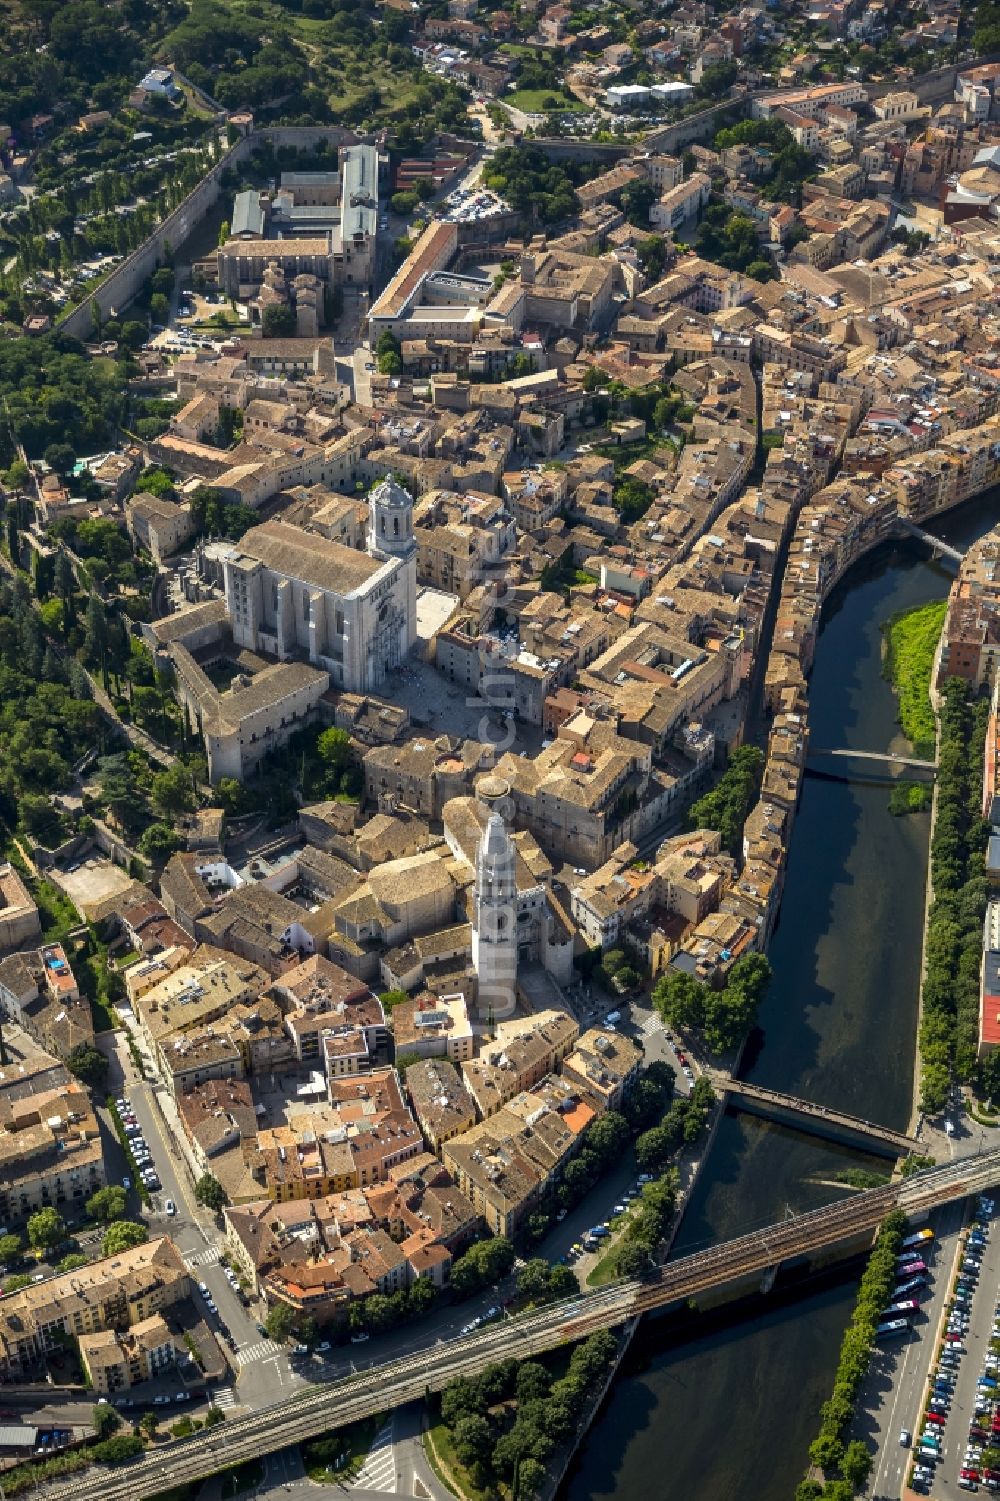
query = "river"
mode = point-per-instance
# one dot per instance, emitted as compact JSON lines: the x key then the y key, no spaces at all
{"x":732,"y":1411}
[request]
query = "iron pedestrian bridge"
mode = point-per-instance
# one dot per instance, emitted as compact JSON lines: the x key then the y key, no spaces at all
{"x":911,"y":529}
{"x":816,"y":1120}
{"x":885,"y":758}
{"x":839,"y":1229}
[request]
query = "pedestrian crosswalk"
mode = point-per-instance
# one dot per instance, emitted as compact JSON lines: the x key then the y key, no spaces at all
{"x":261,"y":1349}
{"x":224,"y":1397}
{"x":378,"y":1473}
{"x":653,"y":1023}
{"x":207,"y":1257}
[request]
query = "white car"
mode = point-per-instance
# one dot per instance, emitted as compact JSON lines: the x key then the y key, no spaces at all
{"x":170,"y":1207}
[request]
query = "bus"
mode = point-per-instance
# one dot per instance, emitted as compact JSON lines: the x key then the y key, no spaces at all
{"x":914,"y":1285}
{"x":910,"y":1269}
{"x":892,"y":1329}
{"x":917,"y":1240}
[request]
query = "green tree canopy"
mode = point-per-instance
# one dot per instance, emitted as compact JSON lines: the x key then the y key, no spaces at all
{"x":210,"y":1192}
{"x":107,"y":1204}
{"x":122,"y":1236}
{"x":46,"y":1228}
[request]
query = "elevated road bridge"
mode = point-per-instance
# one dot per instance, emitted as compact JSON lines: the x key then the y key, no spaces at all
{"x":816,"y":1120}
{"x":840,"y":1228}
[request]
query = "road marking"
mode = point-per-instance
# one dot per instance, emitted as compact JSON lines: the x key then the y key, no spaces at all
{"x":261,"y":1349}
{"x":209,"y":1256}
{"x":378,"y":1473}
{"x":224,"y":1397}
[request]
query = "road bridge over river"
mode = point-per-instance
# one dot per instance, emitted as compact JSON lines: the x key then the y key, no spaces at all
{"x":841,"y":1228}
{"x":816,"y":1120}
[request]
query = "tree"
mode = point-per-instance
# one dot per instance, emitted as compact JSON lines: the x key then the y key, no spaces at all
{"x":73,"y":1262}
{"x":10,"y":1249}
{"x":172,"y":792}
{"x":158,"y":842}
{"x":680,"y":999}
{"x":210,"y":1192}
{"x":95,"y":639}
{"x":134,"y":335}
{"x":280,"y":1322}
{"x":107,"y":1204}
{"x":60,"y":457}
{"x":46,"y":1228}
{"x":334,"y":750}
{"x":654,"y":1149}
{"x":159,"y":308}
{"x":533,"y":1279}
{"x":88,"y":1065}
{"x":531,"y":1477}
{"x":278,"y":321}
{"x":123,"y":1236}
{"x":17,"y":476}
{"x":118,"y":788}
{"x":104,"y":1420}
{"x":637,"y":200}
{"x":826,"y":1452}
{"x":148,"y":1423}
{"x":482,"y":1265}
{"x":856,"y":1464}
{"x":473,"y":1440}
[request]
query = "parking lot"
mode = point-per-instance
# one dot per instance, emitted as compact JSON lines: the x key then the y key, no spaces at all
{"x":921,"y":1393}
{"x":960,"y":1422}
{"x":465,"y":204}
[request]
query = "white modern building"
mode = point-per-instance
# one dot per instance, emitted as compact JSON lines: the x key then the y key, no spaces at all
{"x":293,"y":594}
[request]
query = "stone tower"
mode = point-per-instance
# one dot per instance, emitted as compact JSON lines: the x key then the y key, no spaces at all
{"x":494,"y":922}
{"x":390,"y":520}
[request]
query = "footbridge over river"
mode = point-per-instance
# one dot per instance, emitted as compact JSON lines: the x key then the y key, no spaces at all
{"x":891,"y":760}
{"x":746,"y":1262}
{"x":910,"y":529}
{"x":815,"y":1120}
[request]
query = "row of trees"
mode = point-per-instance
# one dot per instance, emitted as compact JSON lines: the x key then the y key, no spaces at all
{"x":847,"y":1465}
{"x":647,"y":1225}
{"x":721,"y":1018}
{"x":505,"y":1424}
{"x":725,"y":808}
{"x":953,"y":946}
{"x":678,"y":1127}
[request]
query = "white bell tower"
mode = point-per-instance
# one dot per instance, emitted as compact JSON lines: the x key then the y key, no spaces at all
{"x":494,"y":922}
{"x":390,"y":520}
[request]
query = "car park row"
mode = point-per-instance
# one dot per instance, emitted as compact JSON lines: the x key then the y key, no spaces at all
{"x":141,"y":1155}
{"x":984,"y":1427}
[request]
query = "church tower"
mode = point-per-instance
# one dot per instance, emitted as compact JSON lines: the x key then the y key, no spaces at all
{"x":390,"y":520}
{"x":494,"y":922}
